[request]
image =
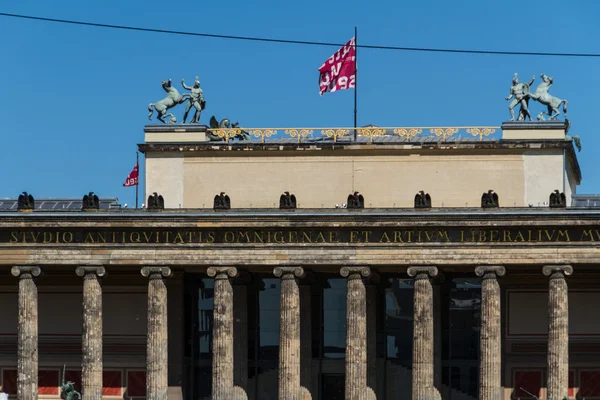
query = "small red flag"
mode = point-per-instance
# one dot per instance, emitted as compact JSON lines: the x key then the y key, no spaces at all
{"x":339,"y":71}
{"x":132,"y":179}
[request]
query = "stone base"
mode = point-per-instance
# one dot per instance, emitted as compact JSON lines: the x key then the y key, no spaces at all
{"x":175,"y":133}
{"x":534,"y":130}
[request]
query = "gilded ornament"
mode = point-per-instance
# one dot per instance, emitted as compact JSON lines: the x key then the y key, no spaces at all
{"x":481,"y":132}
{"x":335,"y":133}
{"x":371,"y":132}
{"x":263,"y":133}
{"x":299,"y":133}
{"x":444,"y":132}
{"x":407,"y":132}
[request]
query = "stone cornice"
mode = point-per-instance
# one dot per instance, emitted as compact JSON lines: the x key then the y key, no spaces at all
{"x":319,"y":217}
{"x":339,"y":146}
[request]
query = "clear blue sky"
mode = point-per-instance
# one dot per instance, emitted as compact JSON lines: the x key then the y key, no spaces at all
{"x":75,"y":98}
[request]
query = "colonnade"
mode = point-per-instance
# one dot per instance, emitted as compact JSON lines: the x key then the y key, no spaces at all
{"x":294,"y":373}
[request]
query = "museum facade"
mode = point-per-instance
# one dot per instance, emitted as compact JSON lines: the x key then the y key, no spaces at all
{"x":396,"y":266}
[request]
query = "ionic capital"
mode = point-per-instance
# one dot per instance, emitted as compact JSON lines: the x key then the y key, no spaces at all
{"x":355,"y":272}
{"x":490,"y":271}
{"x":87,"y":270}
{"x":222,"y":272}
{"x":422,"y":272}
{"x":557,"y":270}
{"x":25,"y":271}
{"x":154,"y":271}
{"x":288,"y":272}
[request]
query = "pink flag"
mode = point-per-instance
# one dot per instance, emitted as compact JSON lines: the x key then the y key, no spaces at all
{"x":339,"y":71}
{"x":132,"y":178}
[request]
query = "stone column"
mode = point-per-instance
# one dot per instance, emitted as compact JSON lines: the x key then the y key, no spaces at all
{"x":371,"y":290}
{"x":157,"y":357}
{"x":423,"y":365}
{"x":289,"y":334}
{"x":558,"y":330}
{"x":490,"y":333}
{"x":91,"y":343}
{"x":240,"y":335}
{"x":356,"y":331}
{"x":222,"y":362}
{"x":27,"y":347}
{"x":306,"y":337}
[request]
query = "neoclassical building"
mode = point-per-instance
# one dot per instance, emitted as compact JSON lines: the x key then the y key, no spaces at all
{"x":313,"y":267}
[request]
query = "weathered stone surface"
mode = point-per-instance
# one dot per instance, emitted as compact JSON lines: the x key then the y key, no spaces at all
{"x":237,"y":393}
{"x":490,"y":367}
{"x":289,"y":336}
{"x":27,"y":347}
{"x":390,"y":256}
{"x":222,"y":362}
{"x":558,"y":330}
{"x":422,"y":372}
{"x":371,"y":290}
{"x":157,"y":357}
{"x":91,"y":343}
{"x":305,"y":337}
{"x":240,"y":335}
{"x":356,"y":331}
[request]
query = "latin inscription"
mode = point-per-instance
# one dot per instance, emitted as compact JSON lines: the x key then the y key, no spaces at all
{"x":299,"y":236}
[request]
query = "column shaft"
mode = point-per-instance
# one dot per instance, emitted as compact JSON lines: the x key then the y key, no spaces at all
{"x":91,"y":344}
{"x":222,"y":362}
{"x":490,"y":333}
{"x":558,"y":331}
{"x":371,"y":291}
{"x":240,"y":333}
{"x":305,"y":337}
{"x":157,"y":357}
{"x":289,"y":334}
{"x":356,"y":332}
{"x":423,"y":365}
{"x":27,"y":347}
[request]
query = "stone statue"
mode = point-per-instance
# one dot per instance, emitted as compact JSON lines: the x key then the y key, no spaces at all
{"x":221,"y":202}
{"x":542,"y":96}
{"x":287,"y":201}
{"x":196,"y":100}
{"x":490,"y":200}
{"x":25,"y":202}
{"x":68,"y":391}
{"x":557,"y":199}
{"x":90,"y":201}
{"x":356,"y":200}
{"x":156,"y":202}
{"x":519,"y":93}
{"x":225,"y":123}
{"x":422,"y":200}
{"x":173,"y":98}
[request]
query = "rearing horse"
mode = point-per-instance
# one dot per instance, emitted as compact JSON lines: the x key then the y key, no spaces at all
{"x":553,"y":103}
{"x":173,"y":98}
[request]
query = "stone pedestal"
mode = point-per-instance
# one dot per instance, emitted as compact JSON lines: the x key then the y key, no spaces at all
{"x":289,"y":334}
{"x":91,"y":343}
{"x":490,"y":335}
{"x":533,"y":130}
{"x":175,"y":133}
{"x":222,"y":362}
{"x":558,"y":330}
{"x":423,"y":365}
{"x":356,"y":331}
{"x":27,"y":342}
{"x":157,"y":357}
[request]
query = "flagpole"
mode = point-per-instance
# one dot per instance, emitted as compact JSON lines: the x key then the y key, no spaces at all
{"x":137,"y":185}
{"x":355,"y":77}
